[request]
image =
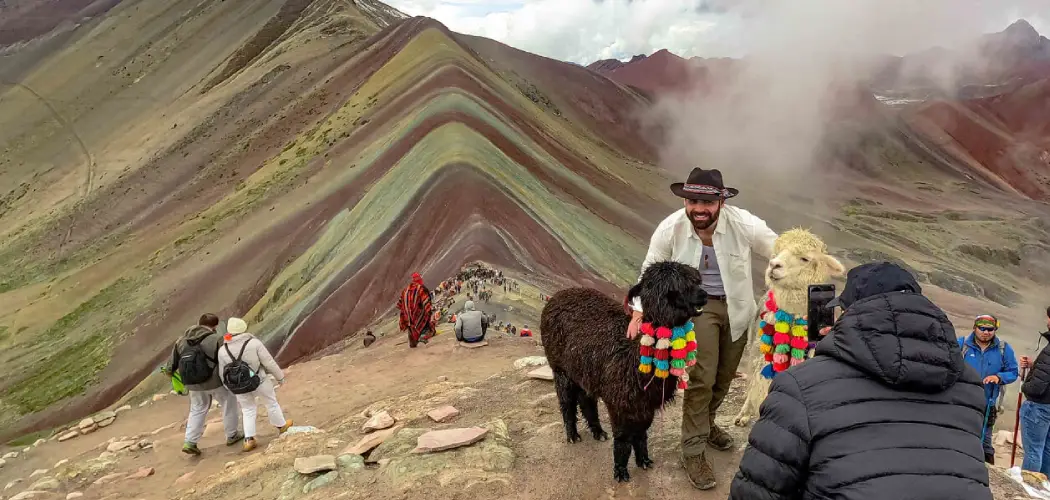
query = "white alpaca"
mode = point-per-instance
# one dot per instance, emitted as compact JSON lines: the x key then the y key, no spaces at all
{"x":800,"y":259}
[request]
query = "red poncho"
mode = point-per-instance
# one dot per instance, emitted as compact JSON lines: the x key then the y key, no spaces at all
{"x":416,"y":310}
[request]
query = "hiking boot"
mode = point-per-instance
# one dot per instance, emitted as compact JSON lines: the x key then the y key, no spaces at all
{"x":287,"y":425}
{"x":249,"y":444}
{"x":237,"y":438}
{"x":191,"y":449}
{"x":699,"y":472}
{"x":719,"y":439}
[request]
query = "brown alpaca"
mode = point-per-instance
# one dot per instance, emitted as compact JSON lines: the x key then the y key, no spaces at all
{"x":800,"y":259}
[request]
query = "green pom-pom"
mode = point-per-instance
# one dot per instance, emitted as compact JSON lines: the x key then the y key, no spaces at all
{"x":678,"y":363}
{"x":798,"y":353}
{"x":782,"y":349}
{"x":691,"y":356}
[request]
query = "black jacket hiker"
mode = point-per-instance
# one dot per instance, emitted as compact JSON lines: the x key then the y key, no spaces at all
{"x":886,"y":409}
{"x":1036,"y":385}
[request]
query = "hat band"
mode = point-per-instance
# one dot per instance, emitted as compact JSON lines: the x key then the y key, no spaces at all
{"x":704,"y":189}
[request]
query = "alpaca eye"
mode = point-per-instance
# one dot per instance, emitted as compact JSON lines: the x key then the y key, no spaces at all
{"x":805,"y":259}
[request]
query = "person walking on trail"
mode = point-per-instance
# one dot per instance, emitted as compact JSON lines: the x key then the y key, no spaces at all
{"x":416,"y":311}
{"x":886,"y":408}
{"x":1035,"y":411}
{"x":245,"y":365}
{"x":719,"y":240}
{"x":471,"y":324}
{"x":195,"y":359}
{"x":994,"y":360}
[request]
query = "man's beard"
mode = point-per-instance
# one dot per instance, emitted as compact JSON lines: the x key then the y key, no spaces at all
{"x":700,"y":225}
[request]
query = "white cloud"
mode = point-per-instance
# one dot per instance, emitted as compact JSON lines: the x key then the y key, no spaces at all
{"x":583,"y":31}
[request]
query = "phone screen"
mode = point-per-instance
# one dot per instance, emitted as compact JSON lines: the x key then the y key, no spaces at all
{"x":820,"y":315}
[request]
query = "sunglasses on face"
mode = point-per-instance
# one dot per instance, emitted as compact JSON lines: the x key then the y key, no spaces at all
{"x":986,"y":328}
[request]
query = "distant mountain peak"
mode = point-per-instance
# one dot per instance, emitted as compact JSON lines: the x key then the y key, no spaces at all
{"x":1021,"y":28}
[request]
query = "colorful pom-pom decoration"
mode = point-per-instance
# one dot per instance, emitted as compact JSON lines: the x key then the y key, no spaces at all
{"x":668,"y":351}
{"x":784,"y":341}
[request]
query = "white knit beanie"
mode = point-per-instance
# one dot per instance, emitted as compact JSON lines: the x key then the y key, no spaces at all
{"x":235,"y":326}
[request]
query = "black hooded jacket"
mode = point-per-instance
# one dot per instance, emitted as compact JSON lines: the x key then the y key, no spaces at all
{"x":886,"y":409}
{"x":1036,"y":385}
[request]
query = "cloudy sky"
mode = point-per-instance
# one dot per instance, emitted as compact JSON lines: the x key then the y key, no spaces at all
{"x":583,"y":31}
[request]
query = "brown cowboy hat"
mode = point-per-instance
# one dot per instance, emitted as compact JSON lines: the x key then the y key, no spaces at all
{"x":703,"y":185}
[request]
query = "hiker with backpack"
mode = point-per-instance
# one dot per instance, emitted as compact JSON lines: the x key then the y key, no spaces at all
{"x":194,"y":359}
{"x":245,"y":366}
{"x":995,"y":362}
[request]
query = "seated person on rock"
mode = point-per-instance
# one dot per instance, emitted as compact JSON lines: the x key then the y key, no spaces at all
{"x":471,"y":324}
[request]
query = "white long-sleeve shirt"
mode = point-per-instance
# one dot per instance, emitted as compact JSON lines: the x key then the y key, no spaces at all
{"x":736,"y":235}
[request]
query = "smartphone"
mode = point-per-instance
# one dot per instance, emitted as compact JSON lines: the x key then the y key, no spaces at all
{"x":820,"y":315}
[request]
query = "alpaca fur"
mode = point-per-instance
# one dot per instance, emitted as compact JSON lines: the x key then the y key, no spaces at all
{"x":584,"y":337}
{"x":800,"y":259}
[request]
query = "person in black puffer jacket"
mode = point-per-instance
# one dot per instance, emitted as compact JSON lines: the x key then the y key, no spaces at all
{"x":1035,"y":412}
{"x":886,"y":409}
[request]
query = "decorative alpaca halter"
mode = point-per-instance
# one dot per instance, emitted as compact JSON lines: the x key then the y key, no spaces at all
{"x":784,"y":340}
{"x":671,"y":350}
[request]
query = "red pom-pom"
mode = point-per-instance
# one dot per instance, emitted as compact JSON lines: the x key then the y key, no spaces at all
{"x":647,"y":329}
{"x":663,"y":332}
{"x":781,"y":338}
{"x":779,"y":367}
{"x":678,"y":353}
{"x":769,"y":357}
{"x":647,"y":350}
{"x":682,"y":385}
{"x":799,"y":342}
{"x":690,"y":346}
{"x":769,"y":329}
{"x":661,"y":354}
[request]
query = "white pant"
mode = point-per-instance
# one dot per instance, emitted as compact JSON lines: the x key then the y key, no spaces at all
{"x":269,"y":400}
{"x":200,"y":403}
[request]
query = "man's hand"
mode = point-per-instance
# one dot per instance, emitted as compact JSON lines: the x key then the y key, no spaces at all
{"x":635,"y":326}
{"x":992,"y":379}
{"x":1025,"y":362}
{"x":824,"y":331}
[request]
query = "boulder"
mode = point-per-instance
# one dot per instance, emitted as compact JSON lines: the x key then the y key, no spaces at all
{"x":119,"y":445}
{"x":379,"y":421}
{"x":38,"y":472}
{"x":448,"y":439}
{"x":443,"y":414}
{"x":317,"y":463}
{"x":321,"y":482}
{"x":370,"y":441}
{"x":542,"y":373}
{"x":530,"y":361}
{"x":351,"y":462}
{"x":142,"y":473}
{"x":69,"y":435}
{"x":46,"y":484}
{"x":109,"y":478}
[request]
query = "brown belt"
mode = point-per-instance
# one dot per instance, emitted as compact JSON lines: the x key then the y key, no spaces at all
{"x":720,"y":298}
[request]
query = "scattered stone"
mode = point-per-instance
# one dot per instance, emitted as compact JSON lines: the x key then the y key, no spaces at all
{"x":379,"y":421}
{"x":12,"y":455}
{"x":87,"y":422}
{"x":39,"y":442}
{"x":119,"y":445}
{"x":38,"y":472}
{"x":62,"y":462}
{"x":321,"y":482}
{"x":448,"y":439}
{"x":383,"y":462}
{"x":542,"y":373}
{"x":229,"y":465}
{"x":143,"y":444}
{"x":75,"y":494}
{"x":142,"y":473}
{"x":473,"y":345}
{"x":442,"y":379}
{"x":159,"y":397}
{"x":370,"y":441}
{"x":165,"y":428}
{"x":333,"y":443}
{"x":443,"y":414}
{"x":1033,"y":478}
{"x":69,"y":435}
{"x":29,"y":495}
{"x":109,"y":478}
{"x":301,"y":429}
{"x":530,"y":361}
{"x":318,"y":463}
{"x":122,"y":409}
{"x":144,"y":404}
{"x":185,"y":478}
{"x":46,"y":484}
{"x":12,"y":484}
{"x":106,"y":455}
{"x":89,"y":430}
{"x":106,"y":418}
{"x":351,"y":462}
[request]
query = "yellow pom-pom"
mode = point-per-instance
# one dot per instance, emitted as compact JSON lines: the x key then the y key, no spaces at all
{"x":765,"y":348}
{"x":690,"y":336}
{"x":645,"y":368}
{"x":661,"y":373}
{"x":798,"y":331}
{"x":678,"y":344}
{"x":781,"y":327}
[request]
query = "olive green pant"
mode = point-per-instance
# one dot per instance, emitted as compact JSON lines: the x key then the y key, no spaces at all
{"x":717,"y":358}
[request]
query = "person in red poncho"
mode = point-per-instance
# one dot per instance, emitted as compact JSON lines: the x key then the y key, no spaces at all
{"x":416,"y":311}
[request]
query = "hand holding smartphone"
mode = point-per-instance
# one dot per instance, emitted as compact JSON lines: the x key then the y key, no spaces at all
{"x":820,"y":315}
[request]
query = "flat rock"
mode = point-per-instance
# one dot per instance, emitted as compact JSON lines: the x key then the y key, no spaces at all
{"x":75,"y":494}
{"x":379,"y":421}
{"x":351,"y":462}
{"x":87,"y":422}
{"x":321,"y":481}
{"x":185,"y":478}
{"x":529,"y":361}
{"x":473,"y":345}
{"x":448,"y":439}
{"x":542,"y":373}
{"x":119,"y":445}
{"x":317,"y":463}
{"x":122,"y":409}
{"x":302,"y":429}
{"x":106,"y":415}
{"x":109,"y":478}
{"x":89,"y":430}
{"x":370,"y":441}
{"x":11,"y":455}
{"x":46,"y":484}
{"x":107,"y":422}
{"x":143,"y":472}
{"x":69,"y":435}
{"x":443,"y":414}
{"x":38,"y":472}
{"x":28,"y":495}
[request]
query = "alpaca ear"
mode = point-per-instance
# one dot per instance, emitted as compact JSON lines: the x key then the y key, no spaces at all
{"x":835,"y":268}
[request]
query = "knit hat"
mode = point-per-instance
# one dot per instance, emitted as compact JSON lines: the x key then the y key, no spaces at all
{"x":236,"y":326}
{"x":987,"y":321}
{"x":872,"y":279}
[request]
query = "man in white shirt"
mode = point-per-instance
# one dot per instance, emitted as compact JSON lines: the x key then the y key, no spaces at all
{"x":717,"y":239}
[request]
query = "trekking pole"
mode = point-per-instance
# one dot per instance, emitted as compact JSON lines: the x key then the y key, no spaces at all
{"x":1017,"y":421}
{"x":987,"y":410}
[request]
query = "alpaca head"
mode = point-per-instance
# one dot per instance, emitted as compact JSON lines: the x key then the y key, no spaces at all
{"x":670,"y":293}
{"x":800,"y":259}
